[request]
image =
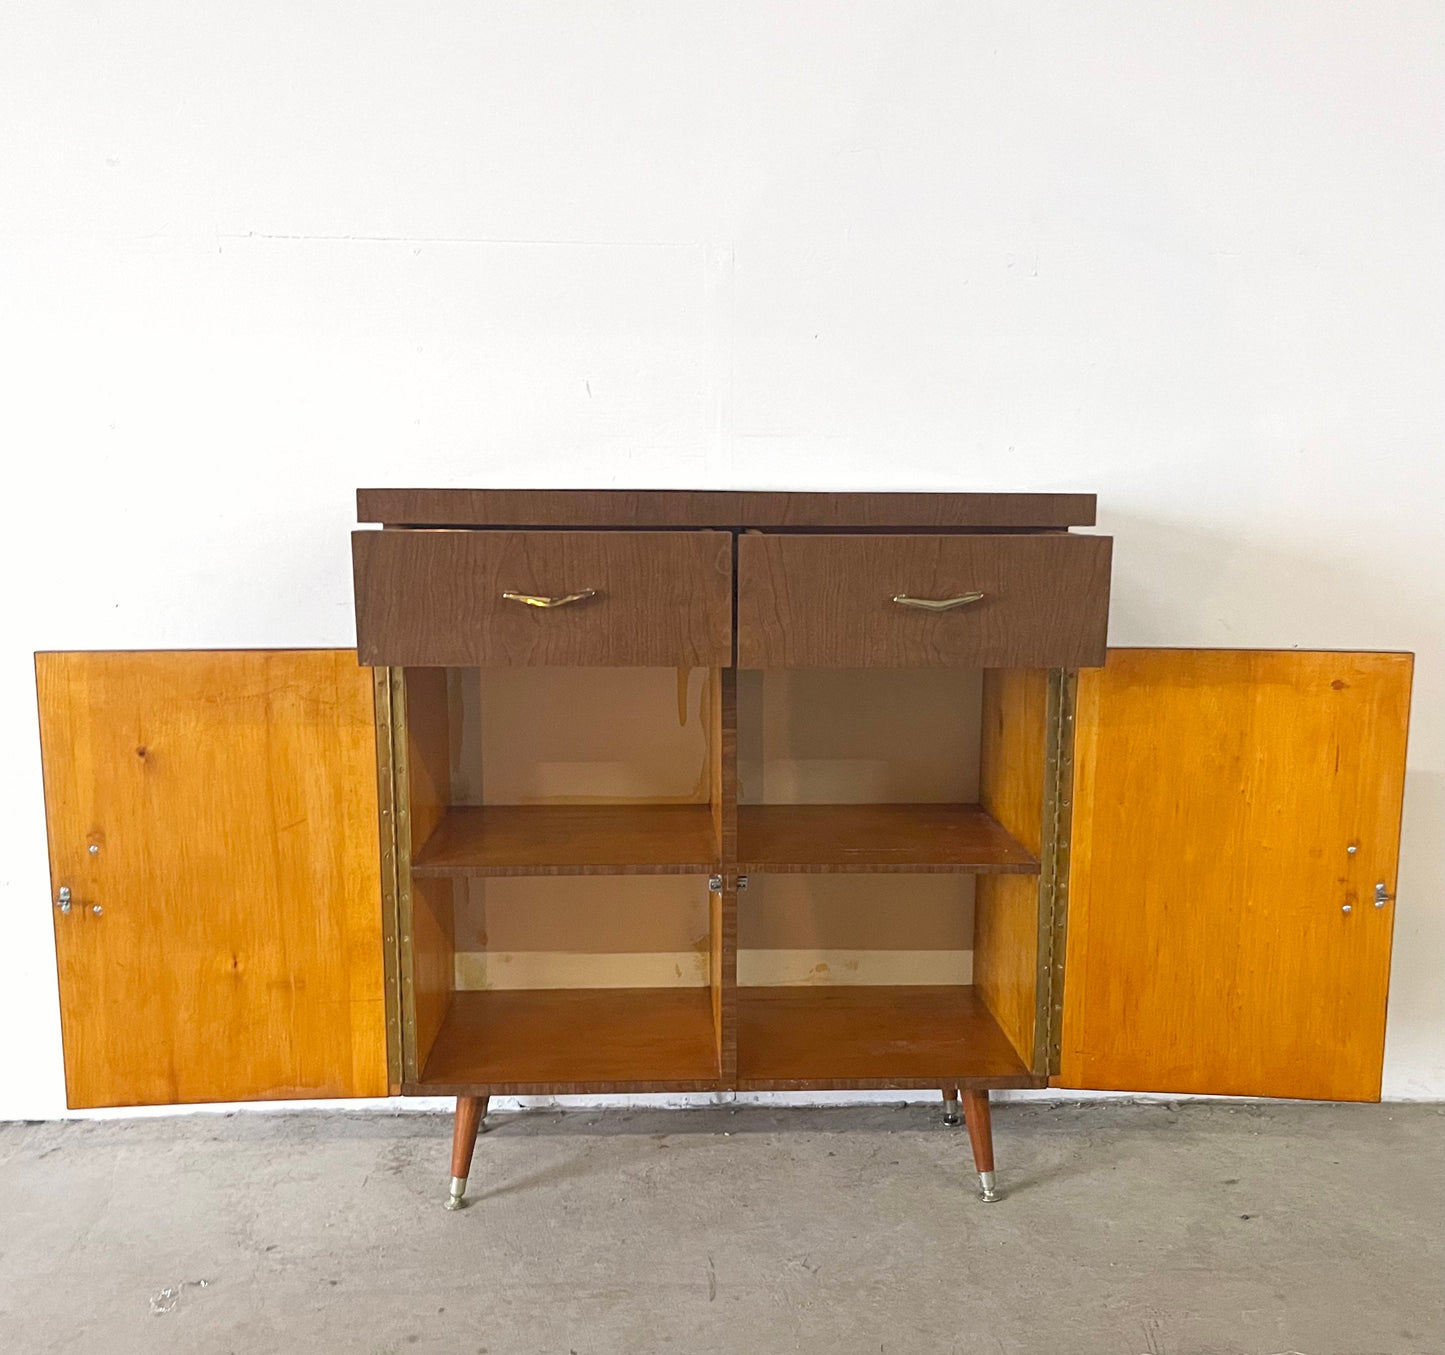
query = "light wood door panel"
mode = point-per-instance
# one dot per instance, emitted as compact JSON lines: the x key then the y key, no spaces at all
{"x":219,"y":808}
{"x":1222,"y":937}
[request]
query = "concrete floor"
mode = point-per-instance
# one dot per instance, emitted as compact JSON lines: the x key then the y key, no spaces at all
{"x":1132,"y":1230}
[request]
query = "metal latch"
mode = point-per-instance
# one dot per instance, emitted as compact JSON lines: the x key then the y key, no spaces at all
{"x":64,"y":901}
{"x":1382,"y":895}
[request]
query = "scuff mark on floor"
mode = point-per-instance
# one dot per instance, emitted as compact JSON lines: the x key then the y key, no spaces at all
{"x":168,"y":1299}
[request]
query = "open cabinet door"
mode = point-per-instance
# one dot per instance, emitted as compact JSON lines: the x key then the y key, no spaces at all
{"x":213,"y":819}
{"x":1234,"y":815}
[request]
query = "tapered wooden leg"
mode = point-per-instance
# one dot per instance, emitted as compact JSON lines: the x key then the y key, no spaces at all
{"x":470,"y":1110}
{"x":950,"y":1105}
{"x":980,"y":1135}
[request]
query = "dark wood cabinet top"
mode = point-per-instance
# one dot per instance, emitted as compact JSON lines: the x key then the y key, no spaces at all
{"x":722,"y":508}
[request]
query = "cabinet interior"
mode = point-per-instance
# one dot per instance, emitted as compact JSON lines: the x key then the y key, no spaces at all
{"x":877,"y":835}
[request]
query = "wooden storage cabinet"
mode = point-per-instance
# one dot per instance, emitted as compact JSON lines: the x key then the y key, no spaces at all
{"x":705,"y":791}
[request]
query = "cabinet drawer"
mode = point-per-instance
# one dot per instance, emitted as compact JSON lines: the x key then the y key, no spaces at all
{"x":624,"y":599}
{"x":828,"y":601}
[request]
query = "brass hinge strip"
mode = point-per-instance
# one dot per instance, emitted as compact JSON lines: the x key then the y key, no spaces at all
{"x":386,"y":816}
{"x":402,"y":780}
{"x":1054,"y":868}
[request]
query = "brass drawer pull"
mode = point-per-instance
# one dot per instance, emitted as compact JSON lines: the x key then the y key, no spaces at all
{"x":937,"y":604}
{"x":533,"y":600}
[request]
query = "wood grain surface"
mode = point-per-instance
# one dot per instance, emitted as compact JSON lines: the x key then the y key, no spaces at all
{"x":230,"y":802}
{"x":433,"y":951}
{"x":555,"y":1041}
{"x":715,"y":508}
{"x":822,"y":1036}
{"x":918,"y":838}
{"x":570,"y":840}
{"x":826,"y":601}
{"x":434,"y":598}
{"x":1006,"y":907}
{"x":1216,"y":796}
{"x":429,"y":928}
{"x":469,"y":1114}
{"x":979,"y":1118}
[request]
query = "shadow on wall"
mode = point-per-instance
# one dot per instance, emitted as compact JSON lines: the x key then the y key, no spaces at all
{"x":1177,"y":584}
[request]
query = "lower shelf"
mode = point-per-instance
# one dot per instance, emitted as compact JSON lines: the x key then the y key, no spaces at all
{"x":556,"y":1041}
{"x":895,"y":1036}
{"x":537,"y":1042}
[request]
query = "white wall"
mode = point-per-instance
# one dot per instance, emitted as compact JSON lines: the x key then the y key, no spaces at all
{"x":253,"y":256}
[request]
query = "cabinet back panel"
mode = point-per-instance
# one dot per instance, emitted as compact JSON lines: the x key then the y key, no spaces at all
{"x":598,"y":931}
{"x":869,"y":736}
{"x":855,"y":929}
{"x":858,"y":736}
{"x":1216,"y":794}
{"x":591,"y":735}
{"x":231,"y":797}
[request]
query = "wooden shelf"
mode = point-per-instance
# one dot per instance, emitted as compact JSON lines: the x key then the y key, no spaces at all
{"x":570,"y":840}
{"x":927,"y":838}
{"x":844,"y":1036}
{"x":539,"y":1042}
